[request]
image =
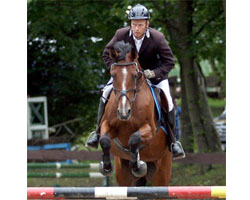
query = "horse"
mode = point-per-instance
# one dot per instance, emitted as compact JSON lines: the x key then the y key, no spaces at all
{"x":128,"y":127}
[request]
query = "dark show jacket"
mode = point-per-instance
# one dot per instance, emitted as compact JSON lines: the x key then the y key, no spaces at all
{"x":155,"y":54}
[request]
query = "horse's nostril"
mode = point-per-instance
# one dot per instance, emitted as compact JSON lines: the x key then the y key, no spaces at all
{"x":129,"y":110}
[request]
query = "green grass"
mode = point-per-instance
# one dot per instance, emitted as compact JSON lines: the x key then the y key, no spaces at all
{"x":185,"y":175}
{"x":65,"y":182}
{"x":217,"y":105}
{"x":192,"y":175}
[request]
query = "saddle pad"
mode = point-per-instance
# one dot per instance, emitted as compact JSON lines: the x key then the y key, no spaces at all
{"x":157,"y":101}
{"x":156,"y":98}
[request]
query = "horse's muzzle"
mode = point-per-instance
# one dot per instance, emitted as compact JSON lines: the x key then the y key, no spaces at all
{"x":124,"y":114}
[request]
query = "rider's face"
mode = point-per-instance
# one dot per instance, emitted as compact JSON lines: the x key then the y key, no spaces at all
{"x":139,"y":27}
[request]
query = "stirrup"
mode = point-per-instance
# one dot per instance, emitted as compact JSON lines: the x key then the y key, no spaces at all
{"x":179,"y":144}
{"x":90,"y":135}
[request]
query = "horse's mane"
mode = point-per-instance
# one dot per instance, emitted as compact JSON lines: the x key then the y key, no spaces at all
{"x":122,"y":48}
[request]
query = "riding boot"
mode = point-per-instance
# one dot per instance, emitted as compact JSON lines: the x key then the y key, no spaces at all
{"x":176,"y":146}
{"x":94,"y":137}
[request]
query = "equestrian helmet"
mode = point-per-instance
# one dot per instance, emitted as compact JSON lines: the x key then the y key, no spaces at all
{"x":138,"y":12}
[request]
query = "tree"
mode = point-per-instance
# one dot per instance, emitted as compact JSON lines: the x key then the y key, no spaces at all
{"x":65,"y":44}
{"x":182,"y":31}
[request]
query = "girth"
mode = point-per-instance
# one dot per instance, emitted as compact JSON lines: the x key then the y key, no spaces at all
{"x":125,"y":149}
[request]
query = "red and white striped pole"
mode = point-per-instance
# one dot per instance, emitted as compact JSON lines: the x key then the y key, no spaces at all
{"x":186,"y":192}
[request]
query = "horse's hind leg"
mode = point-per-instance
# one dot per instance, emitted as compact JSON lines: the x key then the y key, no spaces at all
{"x":123,"y":174}
{"x":141,"y":182}
{"x":106,"y":165}
{"x":162,"y":175}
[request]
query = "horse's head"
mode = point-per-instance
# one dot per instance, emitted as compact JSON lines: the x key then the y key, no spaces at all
{"x":126,"y":73}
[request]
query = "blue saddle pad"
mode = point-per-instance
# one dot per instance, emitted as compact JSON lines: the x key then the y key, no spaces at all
{"x":160,"y":118}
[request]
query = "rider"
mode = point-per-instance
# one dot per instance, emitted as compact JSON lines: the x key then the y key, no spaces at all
{"x":155,"y":57}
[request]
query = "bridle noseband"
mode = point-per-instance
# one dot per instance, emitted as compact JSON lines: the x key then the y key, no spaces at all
{"x":135,"y":90}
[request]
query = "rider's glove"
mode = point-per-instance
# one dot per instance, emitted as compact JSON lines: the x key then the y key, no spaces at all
{"x":149,"y":73}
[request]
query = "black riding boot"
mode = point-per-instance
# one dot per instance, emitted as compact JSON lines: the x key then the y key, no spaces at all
{"x":95,"y":135}
{"x":176,"y":146}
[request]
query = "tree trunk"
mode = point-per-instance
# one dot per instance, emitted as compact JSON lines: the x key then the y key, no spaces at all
{"x":187,"y":138}
{"x":212,"y":63}
{"x":205,"y":135}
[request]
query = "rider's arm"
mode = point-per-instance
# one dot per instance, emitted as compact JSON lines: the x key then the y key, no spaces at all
{"x":105,"y":56}
{"x":166,"y":58}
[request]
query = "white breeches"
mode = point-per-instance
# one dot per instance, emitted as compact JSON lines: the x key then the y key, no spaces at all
{"x":164,"y":85}
{"x":106,"y":90}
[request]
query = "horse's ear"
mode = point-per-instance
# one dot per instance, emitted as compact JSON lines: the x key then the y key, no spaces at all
{"x":133,"y":54}
{"x":112,"y":53}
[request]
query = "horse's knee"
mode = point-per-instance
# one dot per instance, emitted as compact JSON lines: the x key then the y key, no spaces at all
{"x":134,"y":140}
{"x":105,"y":143}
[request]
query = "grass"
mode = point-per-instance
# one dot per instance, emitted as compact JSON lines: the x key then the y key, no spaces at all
{"x":182,"y":175}
{"x":187,"y":175}
{"x":217,"y":105}
{"x":65,"y":182}
{"x":192,"y":175}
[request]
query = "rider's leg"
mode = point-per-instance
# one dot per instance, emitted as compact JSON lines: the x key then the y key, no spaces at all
{"x":93,"y":140}
{"x":177,"y":149}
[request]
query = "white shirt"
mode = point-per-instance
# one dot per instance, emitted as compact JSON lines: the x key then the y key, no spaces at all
{"x":138,"y":43}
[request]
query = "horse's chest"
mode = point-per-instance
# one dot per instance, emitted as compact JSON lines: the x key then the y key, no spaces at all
{"x":122,"y":132}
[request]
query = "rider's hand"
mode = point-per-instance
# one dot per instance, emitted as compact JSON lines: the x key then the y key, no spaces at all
{"x":149,"y":73}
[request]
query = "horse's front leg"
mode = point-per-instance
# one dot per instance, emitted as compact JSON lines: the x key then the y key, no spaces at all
{"x":138,"y":167}
{"x":105,"y":142}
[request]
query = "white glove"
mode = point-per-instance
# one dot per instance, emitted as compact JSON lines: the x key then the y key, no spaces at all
{"x":149,"y":73}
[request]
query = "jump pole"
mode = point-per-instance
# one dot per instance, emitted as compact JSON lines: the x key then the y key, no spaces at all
{"x":63,"y":165}
{"x":179,"y":192}
{"x":66,"y":175}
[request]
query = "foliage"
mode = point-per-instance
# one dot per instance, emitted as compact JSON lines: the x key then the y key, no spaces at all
{"x":65,"y":44}
{"x":210,"y":34}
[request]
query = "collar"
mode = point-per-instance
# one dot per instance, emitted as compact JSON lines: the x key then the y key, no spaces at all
{"x":138,"y":41}
{"x":147,"y":33}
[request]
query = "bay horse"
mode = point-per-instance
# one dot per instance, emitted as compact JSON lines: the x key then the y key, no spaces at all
{"x":128,"y":127}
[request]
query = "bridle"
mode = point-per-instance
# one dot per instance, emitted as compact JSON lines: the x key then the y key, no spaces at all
{"x":135,"y":89}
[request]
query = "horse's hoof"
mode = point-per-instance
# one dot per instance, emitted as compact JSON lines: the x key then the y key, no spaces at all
{"x":105,"y":172}
{"x":141,"y":171}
